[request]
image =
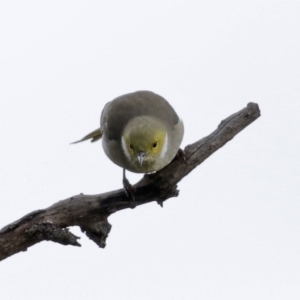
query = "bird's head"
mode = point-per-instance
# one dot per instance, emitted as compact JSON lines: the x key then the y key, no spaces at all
{"x":145,"y":143}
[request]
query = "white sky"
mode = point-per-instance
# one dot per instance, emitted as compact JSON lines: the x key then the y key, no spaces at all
{"x":233,"y":232}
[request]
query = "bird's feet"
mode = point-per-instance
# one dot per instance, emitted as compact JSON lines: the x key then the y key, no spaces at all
{"x":180,"y":154}
{"x":129,"y":190}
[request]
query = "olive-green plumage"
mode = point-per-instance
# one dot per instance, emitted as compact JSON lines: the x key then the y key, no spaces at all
{"x":140,"y":132}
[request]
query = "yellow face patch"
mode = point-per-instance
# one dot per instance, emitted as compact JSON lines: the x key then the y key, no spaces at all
{"x":152,"y":143}
{"x":157,"y":144}
{"x":147,"y":136}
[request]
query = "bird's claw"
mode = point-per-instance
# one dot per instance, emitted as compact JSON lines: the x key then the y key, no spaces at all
{"x":129,"y":190}
{"x":181,"y":154}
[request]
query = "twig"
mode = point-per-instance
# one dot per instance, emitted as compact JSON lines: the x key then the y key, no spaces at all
{"x":90,"y":212}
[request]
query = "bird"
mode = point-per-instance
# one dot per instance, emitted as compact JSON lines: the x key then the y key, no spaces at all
{"x":141,"y":133}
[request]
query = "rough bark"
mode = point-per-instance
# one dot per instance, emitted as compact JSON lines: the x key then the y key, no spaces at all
{"x":90,"y":212}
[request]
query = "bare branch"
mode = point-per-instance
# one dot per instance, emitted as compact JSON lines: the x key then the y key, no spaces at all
{"x":90,"y":212}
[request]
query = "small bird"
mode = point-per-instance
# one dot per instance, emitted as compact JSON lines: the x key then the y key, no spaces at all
{"x":140,"y":132}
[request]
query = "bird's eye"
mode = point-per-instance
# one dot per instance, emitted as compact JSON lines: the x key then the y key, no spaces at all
{"x":130,"y":146}
{"x":154,"y":144}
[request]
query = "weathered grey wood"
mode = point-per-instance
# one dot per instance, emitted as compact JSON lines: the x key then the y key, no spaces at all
{"x":90,"y":212}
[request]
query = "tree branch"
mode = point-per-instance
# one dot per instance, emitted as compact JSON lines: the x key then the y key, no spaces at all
{"x":90,"y":212}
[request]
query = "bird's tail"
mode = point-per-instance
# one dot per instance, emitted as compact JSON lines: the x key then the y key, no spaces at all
{"x":94,"y":136}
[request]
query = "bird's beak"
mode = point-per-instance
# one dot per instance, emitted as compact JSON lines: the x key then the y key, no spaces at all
{"x":141,"y":156}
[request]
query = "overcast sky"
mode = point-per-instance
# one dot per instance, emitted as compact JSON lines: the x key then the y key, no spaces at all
{"x":233,"y":232}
